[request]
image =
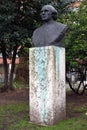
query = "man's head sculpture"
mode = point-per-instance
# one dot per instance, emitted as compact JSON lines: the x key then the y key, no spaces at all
{"x":51,"y":32}
{"x":48,"y":12}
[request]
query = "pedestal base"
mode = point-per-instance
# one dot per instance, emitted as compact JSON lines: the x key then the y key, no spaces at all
{"x":47,"y":85}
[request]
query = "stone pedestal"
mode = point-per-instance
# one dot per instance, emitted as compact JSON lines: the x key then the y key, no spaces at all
{"x":47,"y":85}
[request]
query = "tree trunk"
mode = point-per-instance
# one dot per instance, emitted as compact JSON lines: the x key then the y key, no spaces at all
{"x":3,"y":50}
{"x":12,"y":69}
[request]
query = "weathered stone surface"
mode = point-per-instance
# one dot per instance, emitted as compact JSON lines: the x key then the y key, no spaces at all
{"x":47,"y":85}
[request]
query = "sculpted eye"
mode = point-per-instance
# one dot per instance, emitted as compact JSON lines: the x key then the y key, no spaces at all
{"x":44,"y":10}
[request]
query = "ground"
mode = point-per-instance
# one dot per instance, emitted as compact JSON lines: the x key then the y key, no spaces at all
{"x":17,"y":96}
{"x":75,"y":104}
{"x":22,"y":95}
{"x":14,"y":112}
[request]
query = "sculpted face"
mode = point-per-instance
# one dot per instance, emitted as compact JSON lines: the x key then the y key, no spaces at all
{"x":46,"y":13}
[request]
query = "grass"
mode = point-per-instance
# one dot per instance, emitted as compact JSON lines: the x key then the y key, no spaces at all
{"x":20,"y":84}
{"x":16,"y":117}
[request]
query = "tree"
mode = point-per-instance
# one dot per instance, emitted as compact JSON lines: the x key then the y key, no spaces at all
{"x":76,"y":40}
{"x":17,"y":21}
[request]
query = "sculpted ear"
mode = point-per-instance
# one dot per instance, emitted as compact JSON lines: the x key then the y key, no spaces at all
{"x":54,"y":15}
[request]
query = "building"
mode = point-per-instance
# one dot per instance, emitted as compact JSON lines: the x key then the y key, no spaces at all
{"x":9,"y":61}
{"x":74,"y":6}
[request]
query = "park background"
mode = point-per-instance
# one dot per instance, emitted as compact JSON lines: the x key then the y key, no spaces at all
{"x":18,"y":20}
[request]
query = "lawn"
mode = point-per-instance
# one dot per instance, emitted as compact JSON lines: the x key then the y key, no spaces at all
{"x":14,"y":112}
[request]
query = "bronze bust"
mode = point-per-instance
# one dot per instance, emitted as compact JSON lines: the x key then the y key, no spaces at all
{"x":51,"y":32}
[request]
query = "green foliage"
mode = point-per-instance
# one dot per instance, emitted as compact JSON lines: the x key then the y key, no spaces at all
{"x":18,"y":19}
{"x":76,"y":38}
{"x":14,"y":28}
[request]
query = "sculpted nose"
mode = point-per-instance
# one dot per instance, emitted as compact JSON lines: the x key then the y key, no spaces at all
{"x":43,"y":13}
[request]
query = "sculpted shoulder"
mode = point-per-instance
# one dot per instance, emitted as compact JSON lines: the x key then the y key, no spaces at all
{"x":36,"y":31}
{"x":38,"y":36}
{"x":60,"y":26}
{"x":54,"y":25}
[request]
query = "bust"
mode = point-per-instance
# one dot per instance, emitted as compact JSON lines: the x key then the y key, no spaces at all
{"x":51,"y":32}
